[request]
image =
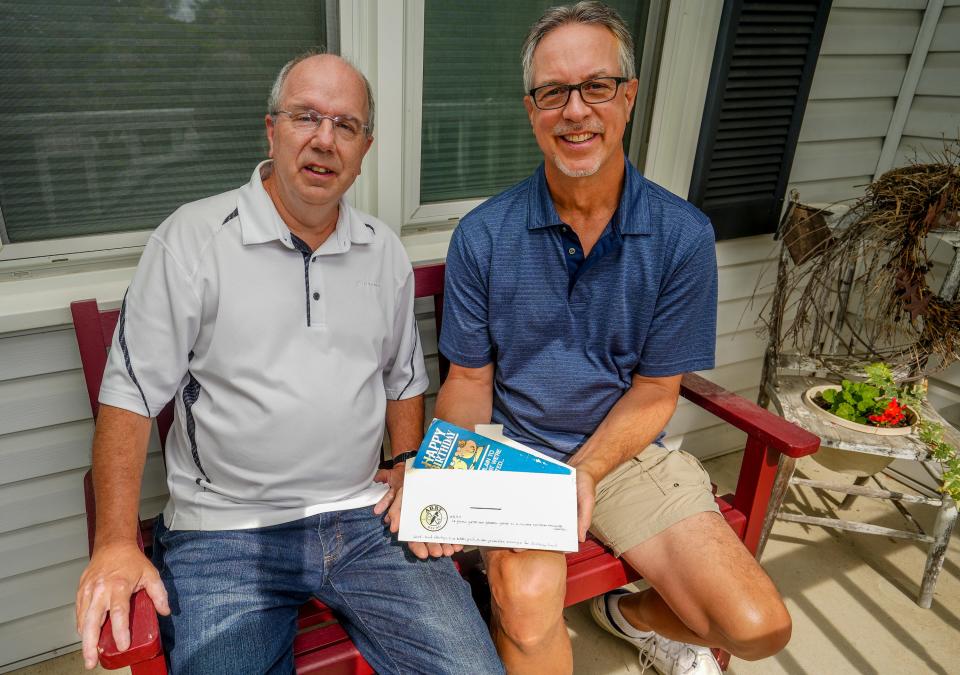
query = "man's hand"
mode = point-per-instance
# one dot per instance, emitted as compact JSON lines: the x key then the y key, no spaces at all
{"x":586,"y":496}
{"x":115,"y":573}
{"x":391,"y":503}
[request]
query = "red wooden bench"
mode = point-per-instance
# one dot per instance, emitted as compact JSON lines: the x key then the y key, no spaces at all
{"x":322,"y":646}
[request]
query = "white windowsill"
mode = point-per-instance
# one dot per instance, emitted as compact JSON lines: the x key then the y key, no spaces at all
{"x":35,"y":303}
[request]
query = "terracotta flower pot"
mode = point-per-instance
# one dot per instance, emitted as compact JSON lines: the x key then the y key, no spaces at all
{"x":844,"y":461}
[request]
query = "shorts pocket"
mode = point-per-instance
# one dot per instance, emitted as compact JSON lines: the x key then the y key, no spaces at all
{"x":678,"y":470}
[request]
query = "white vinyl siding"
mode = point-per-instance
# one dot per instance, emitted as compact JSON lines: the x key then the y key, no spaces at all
{"x":862,"y":62}
{"x":859,"y":76}
{"x":45,"y":435}
{"x":746,"y":266}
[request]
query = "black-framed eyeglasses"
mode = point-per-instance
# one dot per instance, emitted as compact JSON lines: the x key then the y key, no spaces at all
{"x":597,"y":90}
{"x":345,"y":128}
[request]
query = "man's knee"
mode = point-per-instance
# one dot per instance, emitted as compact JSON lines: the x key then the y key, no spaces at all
{"x":760,"y":628}
{"x":527,"y":590}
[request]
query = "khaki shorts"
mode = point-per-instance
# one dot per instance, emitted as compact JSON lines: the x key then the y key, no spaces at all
{"x":647,"y":494}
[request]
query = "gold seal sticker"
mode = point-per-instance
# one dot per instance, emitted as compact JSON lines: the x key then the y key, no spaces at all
{"x":433,"y":517}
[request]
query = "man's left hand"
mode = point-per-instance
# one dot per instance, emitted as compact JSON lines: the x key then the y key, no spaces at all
{"x":391,"y":503}
{"x":394,"y":480}
{"x":586,"y":496}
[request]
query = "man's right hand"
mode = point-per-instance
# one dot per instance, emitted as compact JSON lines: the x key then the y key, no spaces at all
{"x":115,"y":573}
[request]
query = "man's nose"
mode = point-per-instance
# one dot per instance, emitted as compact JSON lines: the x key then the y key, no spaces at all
{"x":576,"y":109}
{"x":324,"y":137}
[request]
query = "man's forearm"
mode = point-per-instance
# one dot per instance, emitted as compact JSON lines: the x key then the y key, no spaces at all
{"x":466,"y":397}
{"x":119,"y":453}
{"x":405,"y":424}
{"x":630,"y":426}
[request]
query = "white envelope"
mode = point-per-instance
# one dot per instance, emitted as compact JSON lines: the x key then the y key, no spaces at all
{"x":490,"y":508}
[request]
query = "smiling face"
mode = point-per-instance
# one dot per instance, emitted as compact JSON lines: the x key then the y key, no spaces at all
{"x":467,"y":449}
{"x":314,"y":169}
{"x":579,"y":139}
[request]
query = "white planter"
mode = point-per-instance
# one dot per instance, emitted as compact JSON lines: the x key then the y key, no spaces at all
{"x":810,"y":395}
{"x":845,"y":461}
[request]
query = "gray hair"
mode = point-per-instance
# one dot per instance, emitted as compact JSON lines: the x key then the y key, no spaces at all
{"x":273,"y":101}
{"x":586,"y":12}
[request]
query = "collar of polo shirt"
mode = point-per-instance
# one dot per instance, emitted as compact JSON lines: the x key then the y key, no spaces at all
{"x":260,"y":222}
{"x":631,"y":217}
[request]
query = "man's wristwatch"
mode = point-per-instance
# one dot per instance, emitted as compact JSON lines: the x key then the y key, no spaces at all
{"x":403,"y":457}
{"x":399,"y":459}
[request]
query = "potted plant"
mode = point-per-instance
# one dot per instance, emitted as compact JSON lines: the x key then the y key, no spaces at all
{"x":878,"y":406}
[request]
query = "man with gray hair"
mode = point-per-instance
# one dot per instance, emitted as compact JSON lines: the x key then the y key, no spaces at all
{"x":574,"y":303}
{"x":281,"y":321}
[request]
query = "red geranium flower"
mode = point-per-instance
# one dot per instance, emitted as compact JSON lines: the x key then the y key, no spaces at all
{"x":892,"y":416}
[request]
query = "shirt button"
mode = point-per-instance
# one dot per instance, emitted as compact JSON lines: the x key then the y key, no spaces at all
{"x":571,"y":250}
{"x":316,"y":296}
{"x":563,"y":229}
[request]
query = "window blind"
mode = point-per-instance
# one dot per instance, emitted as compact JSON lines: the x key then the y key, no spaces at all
{"x":115,"y":113}
{"x":476,"y":139}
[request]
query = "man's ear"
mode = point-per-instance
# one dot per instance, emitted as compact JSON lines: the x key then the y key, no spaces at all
{"x":630,"y":88}
{"x":531,"y":108}
{"x":366,"y":149}
{"x":271,"y":125}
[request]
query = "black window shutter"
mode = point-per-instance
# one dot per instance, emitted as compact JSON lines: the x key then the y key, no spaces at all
{"x":762,"y":69}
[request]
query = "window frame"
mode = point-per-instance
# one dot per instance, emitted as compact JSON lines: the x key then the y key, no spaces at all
{"x":21,"y":258}
{"x":412,"y":213}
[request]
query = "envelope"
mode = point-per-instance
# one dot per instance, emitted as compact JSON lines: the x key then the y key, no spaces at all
{"x":511,"y":509}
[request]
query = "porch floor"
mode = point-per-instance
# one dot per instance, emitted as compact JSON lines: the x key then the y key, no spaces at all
{"x":851,"y":596}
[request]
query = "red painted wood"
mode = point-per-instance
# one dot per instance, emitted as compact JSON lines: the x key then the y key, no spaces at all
{"x":341,"y":658}
{"x":155,"y":666}
{"x":93,"y":344}
{"x":596,"y":576}
{"x":747,"y":416}
{"x":428,"y":279}
{"x":91,"y":512}
{"x":324,"y":647}
{"x":144,"y":636}
{"x":313,"y":613}
{"x":754,"y":486}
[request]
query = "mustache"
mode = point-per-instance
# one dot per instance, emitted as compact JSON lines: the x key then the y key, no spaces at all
{"x":563,"y":129}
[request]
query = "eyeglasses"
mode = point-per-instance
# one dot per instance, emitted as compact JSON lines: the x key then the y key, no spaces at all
{"x":345,"y":128}
{"x":597,"y":90}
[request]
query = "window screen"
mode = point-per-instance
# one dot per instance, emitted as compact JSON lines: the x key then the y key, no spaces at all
{"x":476,"y":139}
{"x":115,"y":113}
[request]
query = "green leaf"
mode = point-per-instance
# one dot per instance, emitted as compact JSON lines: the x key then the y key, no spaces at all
{"x":829,"y":395}
{"x":846,"y":411}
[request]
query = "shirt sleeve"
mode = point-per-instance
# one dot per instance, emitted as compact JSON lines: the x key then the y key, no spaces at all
{"x":683,"y":334}
{"x":158,"y":325}
{"x":465,"y":335}
{"x":405,"y":374}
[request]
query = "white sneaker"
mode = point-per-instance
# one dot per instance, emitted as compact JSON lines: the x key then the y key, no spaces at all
{"x":667,"y":657}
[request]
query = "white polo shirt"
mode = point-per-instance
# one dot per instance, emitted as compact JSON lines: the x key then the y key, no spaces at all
{"x":280,"y":360}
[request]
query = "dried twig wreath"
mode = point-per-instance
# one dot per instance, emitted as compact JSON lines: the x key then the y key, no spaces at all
{"x":879,"y":258}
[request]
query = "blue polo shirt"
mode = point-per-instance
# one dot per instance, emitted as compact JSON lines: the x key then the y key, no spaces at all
{"x":568,"y":332}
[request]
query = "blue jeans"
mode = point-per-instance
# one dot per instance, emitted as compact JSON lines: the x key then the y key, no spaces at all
{"x":235,"y":594}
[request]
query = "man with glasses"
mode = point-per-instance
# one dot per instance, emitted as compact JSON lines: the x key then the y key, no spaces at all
{"x":281,"y":321}
{"x":575,"y":301}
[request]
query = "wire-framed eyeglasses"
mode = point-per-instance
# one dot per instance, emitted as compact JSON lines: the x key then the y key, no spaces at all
{"x":597,"y":90}
{"x":345,"y":128}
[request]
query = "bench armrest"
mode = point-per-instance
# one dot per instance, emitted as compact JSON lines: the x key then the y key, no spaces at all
{"x":144,"y":636}
{"x":760,"y":424}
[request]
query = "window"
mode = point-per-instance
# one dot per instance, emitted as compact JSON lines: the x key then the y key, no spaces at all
{"x":114,"y":114}
{"x":475,"y":139}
